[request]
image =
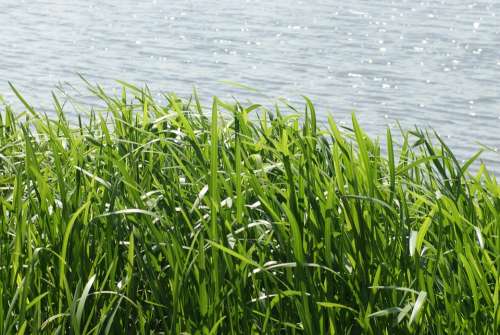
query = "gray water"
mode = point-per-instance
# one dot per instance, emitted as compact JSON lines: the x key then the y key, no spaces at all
{"x":431,"y":63}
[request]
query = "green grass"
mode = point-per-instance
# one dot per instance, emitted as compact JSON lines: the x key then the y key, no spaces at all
{"x":170,"y":218}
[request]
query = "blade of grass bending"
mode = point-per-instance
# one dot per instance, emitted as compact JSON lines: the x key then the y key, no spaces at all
{"x":214,"y":149}
{"x":237,"y":167}
{"x":312,"y":110}
{"x":81,"y":303}
{"x":214,"y":200}
{"x":62,"y":261}
{"x":392,"y":166}
{"x":327,"y":304}
{"x":23,"y":101}
{"x":417,"y":308}
{"x":236,"y":255}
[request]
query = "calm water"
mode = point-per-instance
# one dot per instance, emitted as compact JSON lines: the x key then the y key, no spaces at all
{"x":432,"y":63}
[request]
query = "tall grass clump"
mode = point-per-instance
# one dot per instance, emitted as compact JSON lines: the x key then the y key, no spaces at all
{"x":150,"y":218}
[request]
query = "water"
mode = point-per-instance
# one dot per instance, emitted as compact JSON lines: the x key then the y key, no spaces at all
{"x":430,"y":63}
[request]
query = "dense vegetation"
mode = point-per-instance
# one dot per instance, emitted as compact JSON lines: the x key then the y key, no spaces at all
{"x":148,"y":218}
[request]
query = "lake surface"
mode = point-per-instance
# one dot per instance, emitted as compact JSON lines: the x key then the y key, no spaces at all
{"x":430,"y":63}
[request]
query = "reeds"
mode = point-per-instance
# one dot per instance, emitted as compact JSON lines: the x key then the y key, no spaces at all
{"x":162,"y":218}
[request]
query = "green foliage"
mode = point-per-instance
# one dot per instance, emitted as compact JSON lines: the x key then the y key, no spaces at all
{"x":150,"y":218}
